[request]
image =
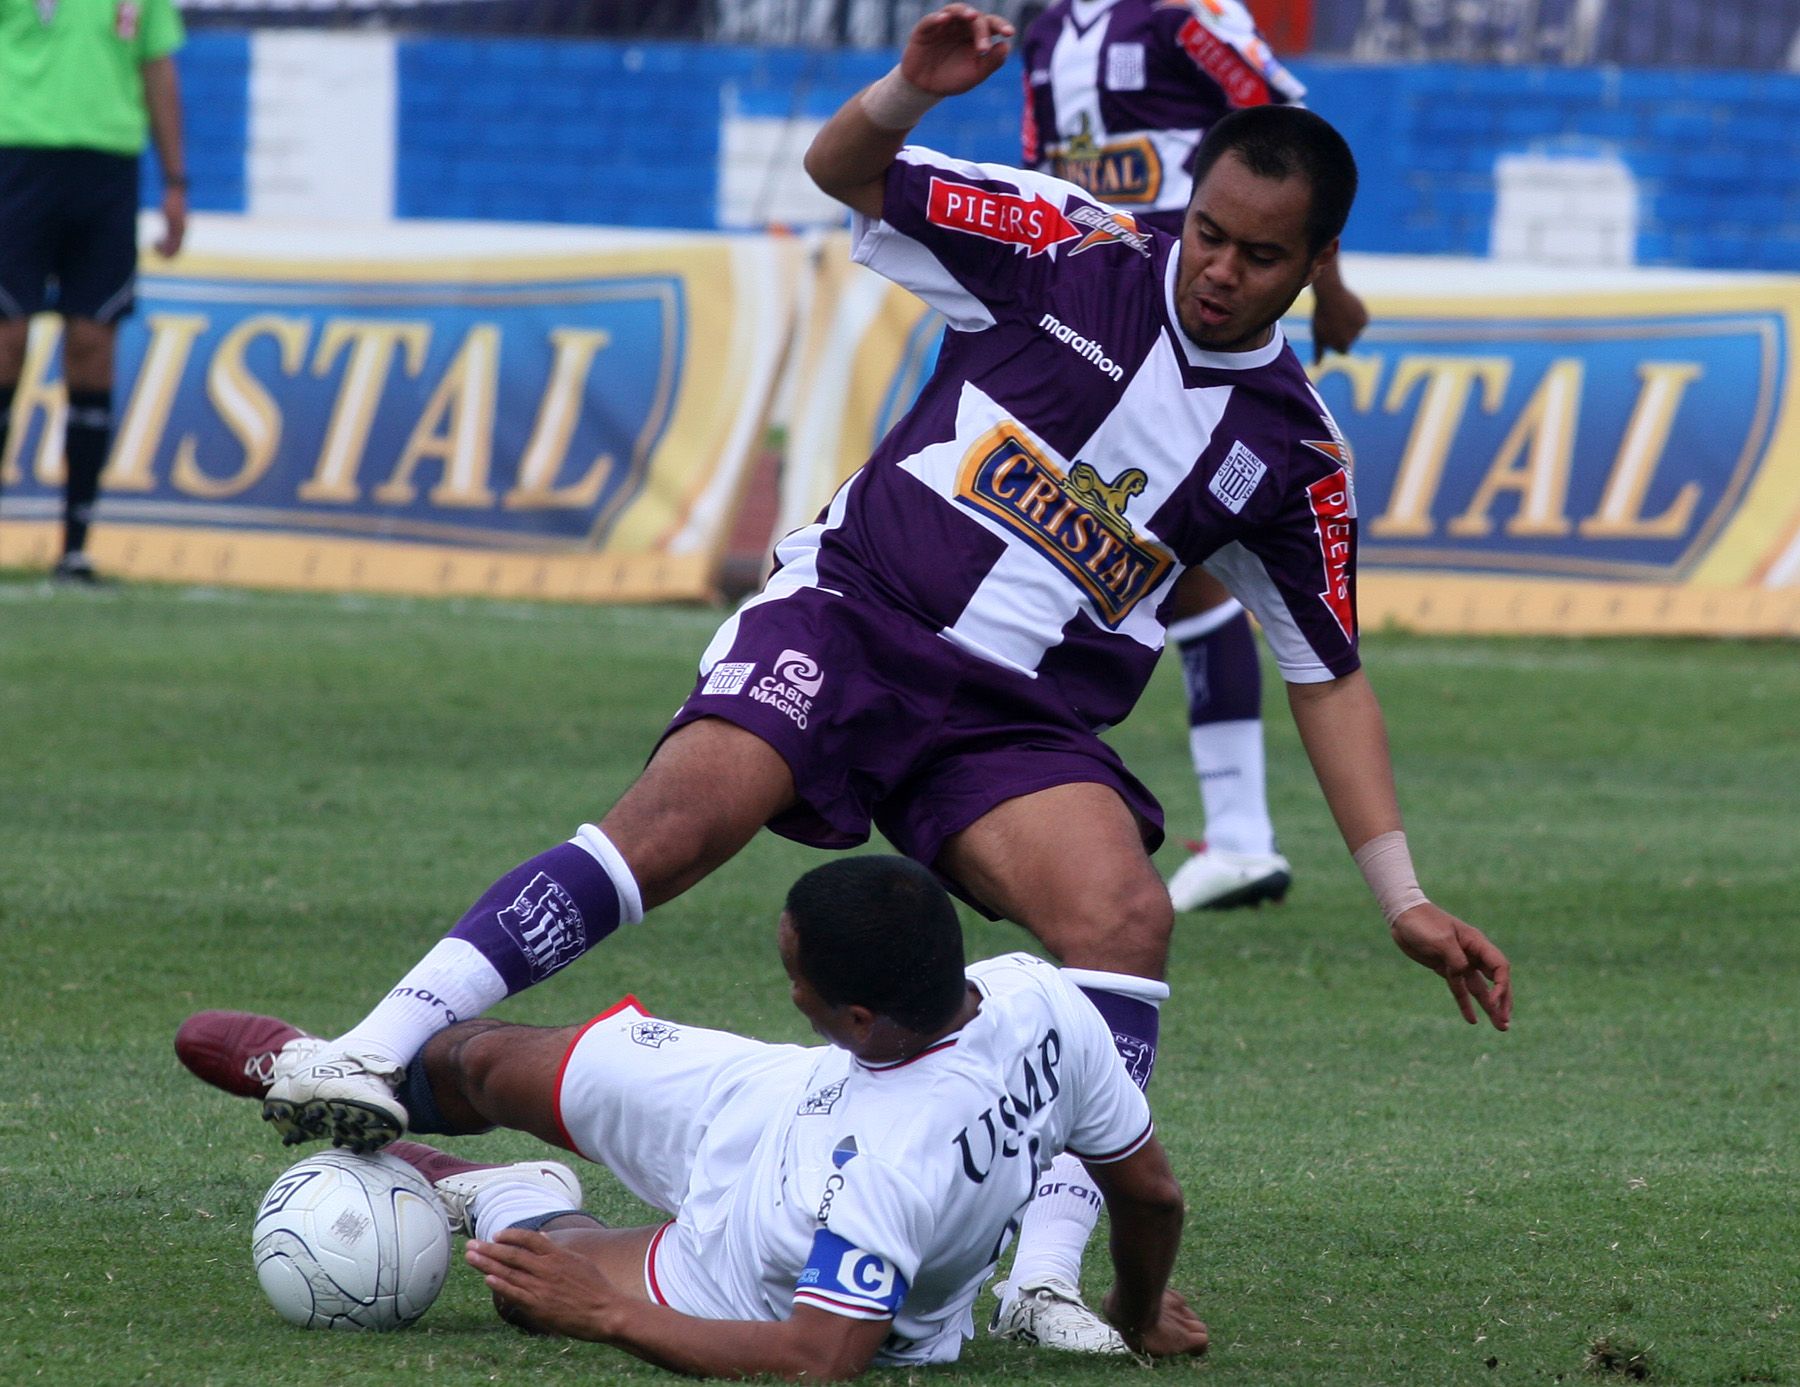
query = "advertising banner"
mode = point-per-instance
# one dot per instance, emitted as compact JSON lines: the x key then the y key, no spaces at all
{"x":556,"y":425}
{"x":1527,"y":460}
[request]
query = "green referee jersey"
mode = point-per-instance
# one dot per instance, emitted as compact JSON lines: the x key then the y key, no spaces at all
{"x":71,"y":71}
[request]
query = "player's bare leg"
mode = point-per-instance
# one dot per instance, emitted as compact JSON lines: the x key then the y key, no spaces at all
{"x":1106,"y":915}
{"x":1236,"y":864}
{"x":706,"y":792}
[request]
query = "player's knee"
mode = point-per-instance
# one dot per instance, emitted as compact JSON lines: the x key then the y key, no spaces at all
{"x":1125,"y":930}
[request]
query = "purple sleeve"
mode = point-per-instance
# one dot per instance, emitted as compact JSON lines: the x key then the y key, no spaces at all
{"x":970,"y":239}
{"x":1293,"y":560}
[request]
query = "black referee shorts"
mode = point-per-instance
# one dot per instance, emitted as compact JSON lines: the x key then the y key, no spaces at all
{"x":68,"y":232}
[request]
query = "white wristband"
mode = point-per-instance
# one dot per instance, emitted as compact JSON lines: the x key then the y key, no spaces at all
{"x":894,"y":103}
{"x":1387,"y":866}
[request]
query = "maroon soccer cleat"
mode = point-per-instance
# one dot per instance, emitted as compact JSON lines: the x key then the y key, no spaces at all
{"x":234,"y":1050}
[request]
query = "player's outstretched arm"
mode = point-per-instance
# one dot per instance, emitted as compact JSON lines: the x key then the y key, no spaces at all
{"x":1341,"y":726}
{"x":948,"y":53}
{"x":1144,"y":1207}
{"x":553,"y":1289}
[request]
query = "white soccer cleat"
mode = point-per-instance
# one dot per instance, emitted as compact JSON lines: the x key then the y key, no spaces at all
{"x":323,"y":1091}
{"x":458,"y":1192}
{"x":1218,"y":879}
{"x":1051,"y":1314}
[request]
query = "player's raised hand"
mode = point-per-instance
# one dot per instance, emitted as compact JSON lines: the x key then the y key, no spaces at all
{"x":955,"y":49}
{"x":1475,"y":969}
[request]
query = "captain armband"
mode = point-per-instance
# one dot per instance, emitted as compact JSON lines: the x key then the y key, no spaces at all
{"x":894,"y":103}
{"x":1387,"y":866}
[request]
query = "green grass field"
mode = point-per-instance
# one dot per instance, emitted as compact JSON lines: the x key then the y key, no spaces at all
{"x":277,"y":803}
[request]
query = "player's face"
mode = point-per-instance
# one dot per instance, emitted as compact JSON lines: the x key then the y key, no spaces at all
{"x":828,"y":1022}
{"x":1243,"y":256}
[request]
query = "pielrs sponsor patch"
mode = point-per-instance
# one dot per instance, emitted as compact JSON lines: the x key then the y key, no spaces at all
{"x":1237,"y":477}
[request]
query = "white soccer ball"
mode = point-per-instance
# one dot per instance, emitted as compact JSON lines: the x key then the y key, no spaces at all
{"x":351,"y":1242}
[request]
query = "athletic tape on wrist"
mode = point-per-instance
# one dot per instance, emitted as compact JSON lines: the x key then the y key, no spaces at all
{"x":1387,"y":866}
{"x":894,"y":103}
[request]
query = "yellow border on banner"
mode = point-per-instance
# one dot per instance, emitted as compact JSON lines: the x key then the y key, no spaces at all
{"x":1442,"y":604}
{"x":311,"y":563}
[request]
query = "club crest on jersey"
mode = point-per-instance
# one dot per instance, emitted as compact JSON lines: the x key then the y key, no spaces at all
{"x":1077,"y":521}
{"x":1119,"y":171}
{"x":654,"y":1034}
{"x":821,"y":1101}
{"x":1106,"y":228}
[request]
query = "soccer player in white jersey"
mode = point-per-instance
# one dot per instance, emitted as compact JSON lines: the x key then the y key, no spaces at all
{"x":831,"y":1206}
{"x":937,"y":654}
{"x":1118,"y":95}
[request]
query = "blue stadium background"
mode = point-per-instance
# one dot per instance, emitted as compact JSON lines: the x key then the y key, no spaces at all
{"x":625,"y":131}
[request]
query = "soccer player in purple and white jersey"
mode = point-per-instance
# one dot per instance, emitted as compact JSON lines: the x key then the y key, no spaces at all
{"x":937,"y":653}
{"x":1118,"y":94}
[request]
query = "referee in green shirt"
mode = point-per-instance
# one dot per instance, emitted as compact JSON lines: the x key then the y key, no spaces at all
{"x":82,"y":84}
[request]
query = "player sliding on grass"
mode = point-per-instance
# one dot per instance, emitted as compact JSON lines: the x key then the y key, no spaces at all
{"x":833,"y":1206}
{"x":938,"y":652}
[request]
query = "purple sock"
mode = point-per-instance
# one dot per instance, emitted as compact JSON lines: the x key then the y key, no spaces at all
{"x":1135,"y":1022}
{"x":1223,"y":677}
{"x":547,"y":912}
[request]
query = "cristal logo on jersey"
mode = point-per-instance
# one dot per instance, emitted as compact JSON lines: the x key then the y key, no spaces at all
{"x":1126,"y":170}
{"x":1076,"y":521}
{"x":1333,"y":505}
{"x":1012,"y":218}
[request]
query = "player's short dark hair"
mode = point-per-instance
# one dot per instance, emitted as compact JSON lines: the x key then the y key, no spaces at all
{"x":1280,"y":142}
{"x":880,"y":932}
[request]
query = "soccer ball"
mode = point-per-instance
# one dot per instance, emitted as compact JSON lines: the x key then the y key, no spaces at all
{"x":351,"y":1242}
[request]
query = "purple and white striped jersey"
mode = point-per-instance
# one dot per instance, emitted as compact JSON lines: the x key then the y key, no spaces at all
{"x":1118,"y":93}
{"x":1074,"y":452}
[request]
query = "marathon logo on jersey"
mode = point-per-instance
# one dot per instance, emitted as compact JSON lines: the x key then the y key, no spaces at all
{"x":1237,"y":477}
{"x":1011,"y":218}
{"x":793,"y":686}
{"x":1107,"y":228}
{"x":818,"y":1103}
{"x":653,"y":1034}
{"x":1126,"y":170}
{"x":1077,"y":522}
{"x":1084,"y":347}
{"x":1333,"y":505}
{"x":546,"y":925}
{"x":125,"y":21}
{"x":728,"y":677}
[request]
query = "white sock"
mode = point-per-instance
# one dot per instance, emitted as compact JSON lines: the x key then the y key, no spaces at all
{"x":503,"y":1203}
{"x":1056,"y":1227}
{"x":451,"y":983}
{"x":1228,"y":759}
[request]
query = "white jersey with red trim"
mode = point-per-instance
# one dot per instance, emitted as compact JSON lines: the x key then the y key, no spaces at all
{"x":878,"y":1191}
